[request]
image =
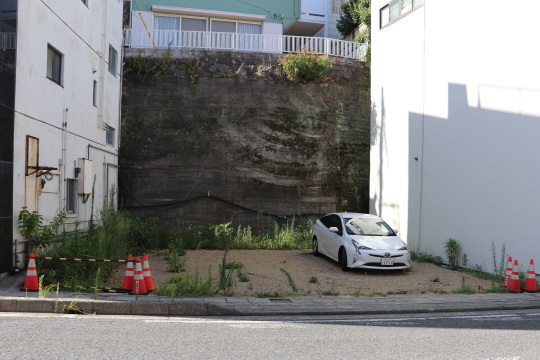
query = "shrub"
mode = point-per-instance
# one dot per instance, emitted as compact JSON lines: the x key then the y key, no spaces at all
{"x":306,"y":66}
{"x":452,"y":249}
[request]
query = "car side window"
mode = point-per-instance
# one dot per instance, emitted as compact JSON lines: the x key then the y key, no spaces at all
{"x":327,"y":221}
{"x":336,"y":221}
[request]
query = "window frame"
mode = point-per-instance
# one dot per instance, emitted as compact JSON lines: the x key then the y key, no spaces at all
{"x":113,"y":60}
{"x":109,"y":135}
{"x":72,"y":196}
{"x":94,"y":94}
{"x":55,"y":72}
{"x":396,"y":8}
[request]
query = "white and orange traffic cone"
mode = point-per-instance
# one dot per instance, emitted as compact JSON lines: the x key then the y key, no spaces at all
{"x":31,"y":282}
{"x":508,"y":271}
{"x":530,"y":281}
{"x":514,"y":284}
{"x":128,"y":277}
{"x":139,"y":286}
{"x":147,"y":274}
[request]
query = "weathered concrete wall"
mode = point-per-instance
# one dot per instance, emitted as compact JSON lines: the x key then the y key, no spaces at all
{"x":244,"y":134}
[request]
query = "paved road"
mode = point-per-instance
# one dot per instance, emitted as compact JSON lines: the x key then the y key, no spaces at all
{"x":509,"y":335}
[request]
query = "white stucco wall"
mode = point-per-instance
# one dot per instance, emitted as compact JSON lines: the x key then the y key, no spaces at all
{"x":455,"y":85}
{"x":83,"y":35}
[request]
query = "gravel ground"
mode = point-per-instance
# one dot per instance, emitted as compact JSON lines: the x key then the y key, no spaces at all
{"x":314,"y":276}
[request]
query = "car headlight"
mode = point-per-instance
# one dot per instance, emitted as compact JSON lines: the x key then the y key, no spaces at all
{"x":403,"y":248}
{"x":359,"y":247}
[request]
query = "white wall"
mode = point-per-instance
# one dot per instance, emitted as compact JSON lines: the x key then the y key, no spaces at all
{"x":455,"y":85}
{"x":82,"y":34}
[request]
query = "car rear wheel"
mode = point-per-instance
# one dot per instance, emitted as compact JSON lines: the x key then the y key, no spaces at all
{"x":343,"y":259}
{"x":315,"y":247}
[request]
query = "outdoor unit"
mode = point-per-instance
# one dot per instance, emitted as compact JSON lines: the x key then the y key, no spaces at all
{"x":85,"y":177}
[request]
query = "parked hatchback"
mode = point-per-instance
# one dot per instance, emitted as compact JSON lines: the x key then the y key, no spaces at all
{"x":358,"y":240}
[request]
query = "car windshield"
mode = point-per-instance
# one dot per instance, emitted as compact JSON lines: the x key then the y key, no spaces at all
{"x":368,"y":226}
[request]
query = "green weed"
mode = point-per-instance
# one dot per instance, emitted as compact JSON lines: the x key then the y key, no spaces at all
{"x":397,"y":292}
{"x":290,"y":279}
{"x":226,"y":282}
{"x":465,"y":288}
{"x":452,"y":248}
{"x":187,"y":285}
{"x":234,"y":265}
{"x":373,"y":293}
{"x":242,"y":276}
{"x":421,"y":257}
{"x":313,"y":280}
{"x":435,"y":279}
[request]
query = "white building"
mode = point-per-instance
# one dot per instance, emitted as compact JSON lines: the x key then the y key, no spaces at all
{"x":455,"y":124}
{"x":66,"y":109}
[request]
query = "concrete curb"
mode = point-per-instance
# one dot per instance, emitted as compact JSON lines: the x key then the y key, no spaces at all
{"x":247,"y":306}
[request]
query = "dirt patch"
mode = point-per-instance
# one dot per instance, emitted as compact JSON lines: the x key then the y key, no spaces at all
{"x":263,"y":269}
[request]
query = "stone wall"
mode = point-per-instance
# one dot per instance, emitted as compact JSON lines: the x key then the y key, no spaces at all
{"x":209,"y":137}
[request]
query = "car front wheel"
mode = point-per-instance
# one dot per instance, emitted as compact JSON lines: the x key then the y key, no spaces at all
{"x":315,"y":247}
{"x":343,"y":259}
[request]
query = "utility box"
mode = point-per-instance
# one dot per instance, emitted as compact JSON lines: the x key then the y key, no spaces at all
{"x":85,"y":176}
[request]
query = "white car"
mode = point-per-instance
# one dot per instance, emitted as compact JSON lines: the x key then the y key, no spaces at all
{"x":359,"y":241}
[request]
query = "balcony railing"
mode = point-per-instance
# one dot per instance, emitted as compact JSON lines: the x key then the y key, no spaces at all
{"x":205,"y":40}
{"x":8,"y":40}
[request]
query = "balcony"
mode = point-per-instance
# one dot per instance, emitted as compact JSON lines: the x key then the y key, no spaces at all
{"x":205,"y":40}
{"x":8,"y":40}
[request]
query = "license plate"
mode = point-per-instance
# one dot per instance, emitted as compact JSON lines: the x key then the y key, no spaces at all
{"x":387,"y":261}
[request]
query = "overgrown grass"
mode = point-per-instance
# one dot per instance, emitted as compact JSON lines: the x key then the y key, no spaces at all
{"x":465,"y":288}
{"x":421,"y":257}
{"x":187,"y":285}
{"x":224,"y":236}
{"x":118,"y":234}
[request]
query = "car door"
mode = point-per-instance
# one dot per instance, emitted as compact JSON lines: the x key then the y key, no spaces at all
{"x":334,"y":239}
{"x":324,"y":233}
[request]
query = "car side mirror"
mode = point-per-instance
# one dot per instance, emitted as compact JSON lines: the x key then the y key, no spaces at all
{"x":333,"y":229}
{"x":395,"y":230}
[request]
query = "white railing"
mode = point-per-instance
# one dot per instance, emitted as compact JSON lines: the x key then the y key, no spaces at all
{"x":164,"y":39}
{"x":8,"y":40}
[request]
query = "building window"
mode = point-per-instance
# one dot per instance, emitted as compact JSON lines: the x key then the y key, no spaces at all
{"x":94,"y":94}
{"x":54,"y":65}
{"x":397,"y":9}
{"x":336,"y":7}
{"x":113,"y":59}
{"x":109,"y":135}
{"x":72,"y":196}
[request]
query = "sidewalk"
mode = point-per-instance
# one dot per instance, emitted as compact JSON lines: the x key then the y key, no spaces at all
{"x":13,"y":300}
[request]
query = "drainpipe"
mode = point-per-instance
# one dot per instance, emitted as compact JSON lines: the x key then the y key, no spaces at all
{"x":62,"y":176}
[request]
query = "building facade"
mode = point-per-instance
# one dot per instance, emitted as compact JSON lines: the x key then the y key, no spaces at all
{"x":455,"y":117}
{"x":59,"y":112}
{"x":282,"y":17}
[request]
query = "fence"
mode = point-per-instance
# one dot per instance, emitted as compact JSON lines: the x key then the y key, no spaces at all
{"x":163,"y":39}
{"x":8,"y":41}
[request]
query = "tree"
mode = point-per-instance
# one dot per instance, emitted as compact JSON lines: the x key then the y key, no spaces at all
{"x":355,"y":13}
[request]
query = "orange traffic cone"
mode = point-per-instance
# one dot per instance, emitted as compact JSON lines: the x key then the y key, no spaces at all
{"x":128,"y":277}
{"x":31,"y":282}
{"x":508,"y":271}
{"x":530,"y":281}
{"x":147,"y":274}
{"x":514,"y":284}
{"x":139,"y":286}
